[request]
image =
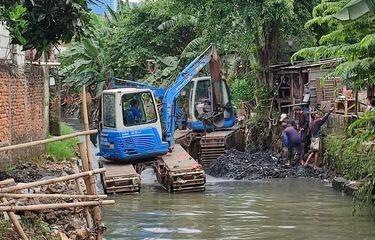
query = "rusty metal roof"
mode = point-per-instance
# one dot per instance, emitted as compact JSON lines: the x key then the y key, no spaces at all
{"x":305,"y":64}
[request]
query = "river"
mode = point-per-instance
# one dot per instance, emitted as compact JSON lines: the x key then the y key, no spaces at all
{"x":267,"y":209}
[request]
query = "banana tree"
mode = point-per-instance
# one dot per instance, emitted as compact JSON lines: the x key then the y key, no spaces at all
{"x":86,"y":62}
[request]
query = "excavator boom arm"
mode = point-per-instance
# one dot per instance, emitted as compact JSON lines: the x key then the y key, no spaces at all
{"x":183,"y":78}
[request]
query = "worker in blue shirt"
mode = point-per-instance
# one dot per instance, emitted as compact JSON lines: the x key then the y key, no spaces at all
{"x":135,"y":115}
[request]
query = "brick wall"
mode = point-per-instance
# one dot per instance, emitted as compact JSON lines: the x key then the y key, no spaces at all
{"x":21,"y":112}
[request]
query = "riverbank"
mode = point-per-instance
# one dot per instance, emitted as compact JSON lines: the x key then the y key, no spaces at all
{"x":45,"y":224}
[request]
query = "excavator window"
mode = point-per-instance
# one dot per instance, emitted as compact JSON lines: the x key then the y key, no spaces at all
{"x":138,"y":108}
{"x":109,"y":113}
{"x":202,"y":96}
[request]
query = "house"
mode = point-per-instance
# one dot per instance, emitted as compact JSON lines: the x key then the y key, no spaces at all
{"x":304,"y":84}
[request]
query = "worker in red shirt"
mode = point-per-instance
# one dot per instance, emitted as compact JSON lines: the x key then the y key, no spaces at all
{"x":315,"y":133}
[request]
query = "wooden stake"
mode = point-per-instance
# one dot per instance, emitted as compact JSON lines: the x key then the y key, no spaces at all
{"x":49,"y":140}
{"x":80,"y":190}
{"x":91,"y":189}
{"x":56,"y":196}
{"x":39,"y":207}
{"x":50,"y":181}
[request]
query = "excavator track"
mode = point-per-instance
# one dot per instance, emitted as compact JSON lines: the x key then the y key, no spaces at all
{"x":211,"y":145}
{"x":179,"y":172}
{"x":214,"y":144}
{"x":120,"y":178}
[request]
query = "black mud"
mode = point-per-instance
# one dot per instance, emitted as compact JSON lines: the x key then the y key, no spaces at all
{"x":29,"y":172}
{"x":261,"y":165}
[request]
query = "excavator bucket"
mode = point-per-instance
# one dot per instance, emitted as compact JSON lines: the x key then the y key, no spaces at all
{"x":217,"y":87}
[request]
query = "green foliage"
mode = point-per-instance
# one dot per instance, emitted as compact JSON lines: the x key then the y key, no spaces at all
{"x":63,"y":150}
{"x":87,"y":62}
{"x":38,"y":24}
{"x":351,"y":42}
{"x":364,"y":128}
{"x":252,"y":29}
{"x":241,"y":91}
{"x":38,"y":229}
{"x":5,"y":229}
{"x":147,"y":32}
{"x":166,"y":72}
{"x":121,"y":43}
{"x":258,"y":134}
{"x":353,"y":156}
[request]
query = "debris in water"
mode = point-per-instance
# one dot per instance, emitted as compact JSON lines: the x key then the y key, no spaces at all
{"x":260,"y":165}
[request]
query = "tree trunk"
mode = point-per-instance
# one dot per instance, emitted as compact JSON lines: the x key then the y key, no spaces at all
{"x":267,"y":52}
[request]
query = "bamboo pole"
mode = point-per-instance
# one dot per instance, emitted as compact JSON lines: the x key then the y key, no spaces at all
{"x":49,"y":140}
{"x":85,"y":163}
{"x":15,"y":222}
{"x":55,"y":196}
{"x":7,"y":182}
{"x":91,"y":189}
{"x":80,"y":190}
{"x":50,"y":181}
{"x":13,"y":218}
{"x":39,"y":207}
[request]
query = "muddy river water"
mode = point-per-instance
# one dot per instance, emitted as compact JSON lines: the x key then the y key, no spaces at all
{"x":268,"y":209}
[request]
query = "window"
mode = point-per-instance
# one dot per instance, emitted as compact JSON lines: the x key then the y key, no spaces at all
{"x":202,"y":96}
{"x":138,"y":108}
{"x":109,"y":111}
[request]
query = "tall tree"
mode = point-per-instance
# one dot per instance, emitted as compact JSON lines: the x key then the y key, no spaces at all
{"x":38,"y":24}
{"x":252,"y":29}
{"x":351,"y":42}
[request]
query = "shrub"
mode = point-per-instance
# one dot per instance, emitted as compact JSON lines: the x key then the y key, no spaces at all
{"x":63,"y":150}
{"x":353,"y":156}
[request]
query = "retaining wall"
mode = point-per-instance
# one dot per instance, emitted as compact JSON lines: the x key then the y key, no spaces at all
{"x":21,"y":112}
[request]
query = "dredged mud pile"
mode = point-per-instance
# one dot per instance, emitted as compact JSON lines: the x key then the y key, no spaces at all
{"x":261,"y":165}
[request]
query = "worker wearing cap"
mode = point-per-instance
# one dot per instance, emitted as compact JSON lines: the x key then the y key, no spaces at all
{"x":291,"y":139}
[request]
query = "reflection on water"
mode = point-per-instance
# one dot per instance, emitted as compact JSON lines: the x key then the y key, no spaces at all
{"x":275,"y":209}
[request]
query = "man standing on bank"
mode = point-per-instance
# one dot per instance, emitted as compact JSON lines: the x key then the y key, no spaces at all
{"x":315,"y":132}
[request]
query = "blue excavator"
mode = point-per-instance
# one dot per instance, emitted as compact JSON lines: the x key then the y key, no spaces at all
{"x":139,"y":122}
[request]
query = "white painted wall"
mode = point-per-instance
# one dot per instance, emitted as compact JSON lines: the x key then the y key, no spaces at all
{"x":10,"y":52}
{"x":4,"y":43}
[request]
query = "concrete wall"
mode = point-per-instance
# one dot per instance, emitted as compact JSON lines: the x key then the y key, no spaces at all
{"x":21,"y":111}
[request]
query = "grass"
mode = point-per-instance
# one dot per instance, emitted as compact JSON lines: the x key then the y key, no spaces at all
{"x":5,"y":229}
{"x":63,"y":150}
